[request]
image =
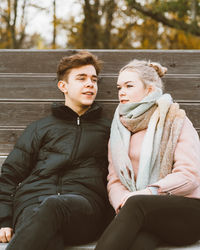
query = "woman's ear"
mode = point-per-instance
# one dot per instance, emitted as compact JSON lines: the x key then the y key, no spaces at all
{"x":150,"y":89}
{"x":62,"y":85}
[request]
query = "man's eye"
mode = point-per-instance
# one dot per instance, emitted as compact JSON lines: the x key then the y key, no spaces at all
{"x":81,"y":78}
{"x":94,"y":80}
{"x":129,"y":86}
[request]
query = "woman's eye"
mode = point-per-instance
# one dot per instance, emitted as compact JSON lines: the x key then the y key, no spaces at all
{"x":129,"y":86}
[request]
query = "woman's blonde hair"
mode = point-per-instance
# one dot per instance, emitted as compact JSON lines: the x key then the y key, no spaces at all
{"x":150,"y":72}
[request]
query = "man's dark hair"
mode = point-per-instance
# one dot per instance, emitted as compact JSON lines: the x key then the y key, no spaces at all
{"x":77,"y":60}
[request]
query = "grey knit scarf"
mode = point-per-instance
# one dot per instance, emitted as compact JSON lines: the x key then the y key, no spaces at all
{"x":157,"y":105}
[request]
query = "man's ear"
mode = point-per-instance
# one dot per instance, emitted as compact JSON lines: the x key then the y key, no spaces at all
{"x":62,"y":85}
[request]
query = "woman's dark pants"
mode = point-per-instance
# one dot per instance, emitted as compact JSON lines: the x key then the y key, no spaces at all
{"x":145,"y":221}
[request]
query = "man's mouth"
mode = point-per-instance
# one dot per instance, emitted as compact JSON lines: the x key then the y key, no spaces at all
{"x":89,"y":93}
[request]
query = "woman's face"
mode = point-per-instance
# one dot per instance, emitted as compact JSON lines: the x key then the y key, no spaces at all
{"x":131,"y":88}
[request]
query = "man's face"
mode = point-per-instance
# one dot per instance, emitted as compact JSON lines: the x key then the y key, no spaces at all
{"x":80,"y":88}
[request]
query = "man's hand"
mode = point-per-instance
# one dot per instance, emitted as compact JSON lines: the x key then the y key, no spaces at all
{"x":5,"y":234}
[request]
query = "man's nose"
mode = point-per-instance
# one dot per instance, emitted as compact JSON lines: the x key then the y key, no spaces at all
{"x":89,"y":83}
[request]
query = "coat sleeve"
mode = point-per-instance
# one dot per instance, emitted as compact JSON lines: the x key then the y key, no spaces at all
{"x":185,"y":176}
{"x":15,"y":169}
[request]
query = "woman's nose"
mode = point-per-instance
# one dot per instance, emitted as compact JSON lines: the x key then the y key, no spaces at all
{"x":121,"y":92}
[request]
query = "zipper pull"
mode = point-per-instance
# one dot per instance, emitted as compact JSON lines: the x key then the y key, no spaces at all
{"x":78,"y":120}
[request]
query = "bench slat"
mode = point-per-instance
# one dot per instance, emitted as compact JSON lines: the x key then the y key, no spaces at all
{"x":43,"y":88}
{"x":23,"y":113}
{"x":91,"y":246}
{"x":30,"y":61}
{"x":28,"y":87}
{"x":7,"y":146}
{"x":8,"y":138}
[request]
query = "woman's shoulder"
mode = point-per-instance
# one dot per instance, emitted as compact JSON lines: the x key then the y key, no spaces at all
{"x":188,"y":131}
{"x":187,"y":124}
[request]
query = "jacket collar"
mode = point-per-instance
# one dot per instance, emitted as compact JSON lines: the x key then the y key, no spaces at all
{"x":61,"y":111}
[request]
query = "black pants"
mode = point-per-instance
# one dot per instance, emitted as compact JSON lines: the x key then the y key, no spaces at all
{"x":56,"y":222}
{"x":145,"y":221}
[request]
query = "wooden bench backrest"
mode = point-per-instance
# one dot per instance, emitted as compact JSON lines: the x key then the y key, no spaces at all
{"x":28,"y":84}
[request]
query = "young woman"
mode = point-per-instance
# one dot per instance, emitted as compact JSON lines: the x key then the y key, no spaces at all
{"x":154,"y":166}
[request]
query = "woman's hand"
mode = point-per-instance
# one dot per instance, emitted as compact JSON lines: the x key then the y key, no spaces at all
{"x":5,"y":234}
{"x":145,"y":191}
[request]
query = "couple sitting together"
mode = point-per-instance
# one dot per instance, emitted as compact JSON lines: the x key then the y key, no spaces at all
{"x":53,"y":183}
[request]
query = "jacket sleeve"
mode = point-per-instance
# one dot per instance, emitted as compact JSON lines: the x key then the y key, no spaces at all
{"x":185,"y":176}
{"x":15,"y":169}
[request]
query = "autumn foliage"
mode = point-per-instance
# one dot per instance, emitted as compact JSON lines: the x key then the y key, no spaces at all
{"x":107,"y":24}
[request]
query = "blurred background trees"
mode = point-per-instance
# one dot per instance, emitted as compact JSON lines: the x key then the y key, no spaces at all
{"x":12,"y":34}
{"x":102,"y":24}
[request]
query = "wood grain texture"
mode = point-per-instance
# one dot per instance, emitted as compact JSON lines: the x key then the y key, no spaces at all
{"x":45,"y":61}
{"x":9,"y":138}
{"x":28,"y":84}
{"x":23,"y":113}
{"x":2,"y":159}
{"x":44,"y":87}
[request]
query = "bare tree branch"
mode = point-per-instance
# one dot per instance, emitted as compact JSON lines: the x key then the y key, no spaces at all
{"x":158,"y":16}
{"x":124,"y":33}
{"x":23,"y":25}
{"x":39,"y":7}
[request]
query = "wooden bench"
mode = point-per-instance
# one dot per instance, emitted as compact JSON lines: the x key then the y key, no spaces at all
{"x":28,"y":87}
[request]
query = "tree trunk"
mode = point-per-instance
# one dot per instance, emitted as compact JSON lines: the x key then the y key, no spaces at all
{"x":54,"y":25}
{"x":90,"y":33}
{"x":194,"y":6}
{"x":110,"y":9}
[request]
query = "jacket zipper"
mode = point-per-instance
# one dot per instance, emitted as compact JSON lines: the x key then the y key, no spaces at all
{"x":78,"y":121}
{"x":77,"y":139}
{"x":171,"y":190}
{"x":59,"y":186}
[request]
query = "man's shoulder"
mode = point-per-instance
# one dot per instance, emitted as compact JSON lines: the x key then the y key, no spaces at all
{"x":41,"y":123}
{"x":105,"y":121}
{"x":103,"y":115}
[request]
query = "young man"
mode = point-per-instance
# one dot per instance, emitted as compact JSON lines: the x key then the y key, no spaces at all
{"x":52,"y":187}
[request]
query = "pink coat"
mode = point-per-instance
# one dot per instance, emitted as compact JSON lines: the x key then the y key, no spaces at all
{"x":184,"y":179}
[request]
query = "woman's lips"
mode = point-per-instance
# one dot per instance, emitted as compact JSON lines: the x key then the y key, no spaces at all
{"x":123,"y":101}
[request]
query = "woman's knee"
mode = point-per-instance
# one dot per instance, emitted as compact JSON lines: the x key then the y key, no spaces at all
{"x":132,"y":209}
{"x":135,"y":202}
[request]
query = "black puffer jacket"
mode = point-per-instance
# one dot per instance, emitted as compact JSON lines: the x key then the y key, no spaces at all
{"x":59,"y":154}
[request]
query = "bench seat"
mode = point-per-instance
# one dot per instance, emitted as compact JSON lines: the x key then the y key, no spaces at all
{"x":92,"y":245}
{"x":28,"y":87}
